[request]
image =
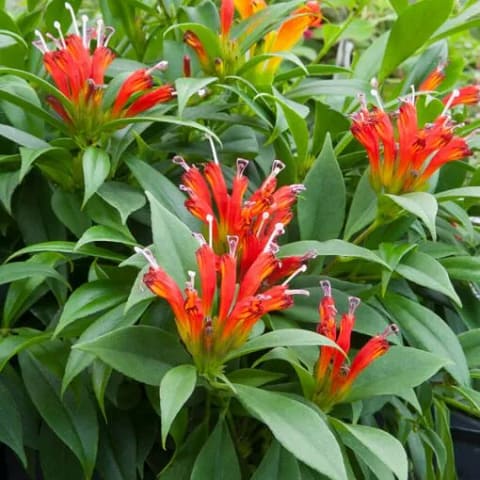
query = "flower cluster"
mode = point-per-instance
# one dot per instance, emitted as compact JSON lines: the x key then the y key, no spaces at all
{"x":333,"y":376}
{"x":79,"y":74}
{"x":238,"y":267}
{"x":403,"y":161}
{"x":281,"y":40}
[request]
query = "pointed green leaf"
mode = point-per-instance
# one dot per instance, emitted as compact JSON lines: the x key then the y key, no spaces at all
{"x":96,"y":167}
{"x":176,"y":388}
{"x":141,"y":352}
{"x":298,"y":428}
{"x":321,"y":208}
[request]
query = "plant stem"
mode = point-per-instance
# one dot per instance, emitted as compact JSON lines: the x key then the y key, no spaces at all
{"x":373,"y":226}
{"x":461,"y":406}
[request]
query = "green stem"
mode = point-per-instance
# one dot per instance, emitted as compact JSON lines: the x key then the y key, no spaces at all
{"x":461,"y":406}
{"x":373,"y":226}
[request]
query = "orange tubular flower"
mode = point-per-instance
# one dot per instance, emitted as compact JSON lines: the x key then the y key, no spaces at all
{"x":79,"y":74}
{"x":404,"y":162}
{"x":220,"y":318}
{"x":256,"y":222}
{"x":433,"y":79}
{"x":333,"y":376}
{"x":469,"y":95}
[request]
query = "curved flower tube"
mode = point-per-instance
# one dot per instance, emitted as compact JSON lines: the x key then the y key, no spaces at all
{"x":333,"y":376}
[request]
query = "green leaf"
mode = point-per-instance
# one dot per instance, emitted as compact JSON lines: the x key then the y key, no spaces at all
{"x":282,"y":338}
{"x":392,"y":254}
{"x":424,"y":329}
{"x":398,"y":370}
{"x":69,"y":247}
{"x":22,"y":138}
{"x":279,"y":464}
{"x":217,"y":459}
{"x":9,"y":181}
{"x":413,"y":28}
{"x":421,"y":204}
{"x":399,"y":5}
{"x":72,"y":418}
{"x":165,"y":192}
{"x":117,"y":448}
{"x":56,"y":459}
{"x":470,"y":342}
{"x":176,"y":388}
{"x":334,"y":248}
{"x":379,"y":450}
{"x":463,"y":268}
{"x":124,"y":198}
{"x":101,"y":233}
{"x":363,"y":208}
{"x":312,"y":87}
{"x":20,"y":339}
{"x":67,"y":207}
{"x":112,"y":320}
{"x":11,"y":433}
{"x":298,"y":428}
{"x":187,"y":87}
{"x":11,"y":272}
{"x":424,"y":270}
{"x":253,"y":376}
{"x":30,"y":155}
{"x":174,"y":245}
{"x":321,"y":208}
{"x":91,"y":298}
{"x":96,"y":167}
{"x":140,"y":352}
{"x":458,"y":193}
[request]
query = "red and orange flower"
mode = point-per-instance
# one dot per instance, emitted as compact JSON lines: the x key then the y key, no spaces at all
{"x":402,"y":159}
{"x":79,"y":74}
{"x":333,"y":376}
{"x":218,"y":319}
{"x":256,"y":221}
{"x":278,"y":41}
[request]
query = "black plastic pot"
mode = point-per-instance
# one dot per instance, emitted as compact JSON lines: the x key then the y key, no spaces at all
{"x":466,"y":441}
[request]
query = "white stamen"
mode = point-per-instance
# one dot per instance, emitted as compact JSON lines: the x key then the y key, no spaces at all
{"x":199,"y":238}
{"x":453,"y":96}
{"x":301,"y":269}
{"x":162,"y":66}
{"x":277,"y":167}
{"x":363,"y":100}
{"x":298,"y":291}
{"x":390,"y":330}
{"x":42,"y":44}
{"x":100,"y":32}
{"x":242,"y":164}
{"x":297,"y":188}
{"x":74,"y":20}
{"x":375,"y":94}
{"x":212,"y":147}
{"x":58,"y":28}
{"x":278,"y":230}
{"x":186,"y":189}
{"x":209,"y":219}
{"x":191,"y":282}
{"x":178,"y":160}
{"x":85,"y":31}
{"x":232,"y":241}
{"x":326,"y":287}
{"x":265,"y":216}
{"x":202,"y":92}
{"x":413,"y":94}
{"x":149,"y":257}
{"x":54,"y":40}
{"x":353,"y":303}
{"x":109,"y":31}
